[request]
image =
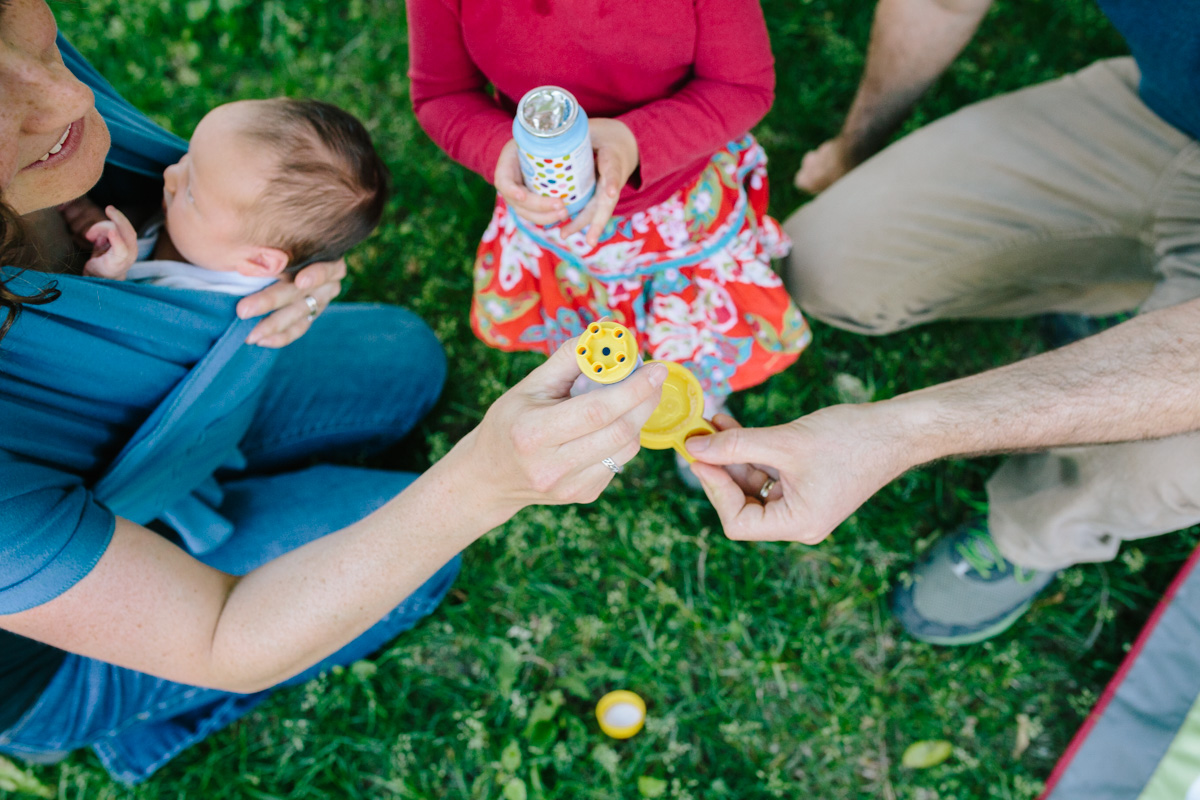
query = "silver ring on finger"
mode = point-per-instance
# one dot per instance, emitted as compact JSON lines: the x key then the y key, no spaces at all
{"x":765,"y":491}
{"x":313,"y":308}
{"x":614,"y":466}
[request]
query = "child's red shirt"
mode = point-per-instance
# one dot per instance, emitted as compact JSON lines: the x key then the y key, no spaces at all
{"x":686,"y":76}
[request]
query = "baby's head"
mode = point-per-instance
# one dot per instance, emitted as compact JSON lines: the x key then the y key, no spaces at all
{"x":272,"y":185}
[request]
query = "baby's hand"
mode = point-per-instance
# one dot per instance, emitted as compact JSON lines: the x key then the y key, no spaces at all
{"x":114,"y":243}
{"x":80,"y":215}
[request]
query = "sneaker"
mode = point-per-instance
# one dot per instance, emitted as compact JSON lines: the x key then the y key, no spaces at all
{"x":964,"y":591}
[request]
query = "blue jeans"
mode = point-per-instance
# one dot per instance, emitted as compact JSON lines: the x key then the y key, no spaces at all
{"x":358,"y":382}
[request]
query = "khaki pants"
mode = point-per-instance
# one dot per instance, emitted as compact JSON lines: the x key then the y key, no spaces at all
{"x":1069,"y":196}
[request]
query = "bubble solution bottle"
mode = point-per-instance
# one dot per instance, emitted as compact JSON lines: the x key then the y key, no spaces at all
{"x":555,"y":148}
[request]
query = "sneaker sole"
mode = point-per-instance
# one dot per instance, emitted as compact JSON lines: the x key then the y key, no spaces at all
{"x":975,"y":637}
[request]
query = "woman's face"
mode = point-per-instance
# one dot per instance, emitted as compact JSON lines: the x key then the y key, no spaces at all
{"x":52,"y":140}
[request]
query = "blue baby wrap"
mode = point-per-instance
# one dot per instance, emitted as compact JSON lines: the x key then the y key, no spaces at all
{"x":81,"y":393}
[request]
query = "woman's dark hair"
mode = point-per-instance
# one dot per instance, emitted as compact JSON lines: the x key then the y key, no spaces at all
{"x":13,"y":252}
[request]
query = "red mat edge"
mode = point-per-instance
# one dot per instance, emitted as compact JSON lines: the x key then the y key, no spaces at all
{"x":1111,"y":690}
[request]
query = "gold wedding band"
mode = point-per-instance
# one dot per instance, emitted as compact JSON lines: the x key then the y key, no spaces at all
{"x":767,"y":486}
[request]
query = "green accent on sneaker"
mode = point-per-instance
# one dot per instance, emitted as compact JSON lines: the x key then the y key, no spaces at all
{"x":975,"y":637}
{"x":980,"y":551}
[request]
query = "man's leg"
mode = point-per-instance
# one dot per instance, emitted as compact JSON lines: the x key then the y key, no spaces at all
{"x":1071,"y":505}
{"x":1035,"y":201}
{"x":1070,"y":196}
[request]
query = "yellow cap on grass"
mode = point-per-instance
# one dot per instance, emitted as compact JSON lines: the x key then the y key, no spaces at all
{"x":621,"y":714}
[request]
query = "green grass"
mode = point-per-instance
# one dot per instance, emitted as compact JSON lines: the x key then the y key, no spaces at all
{"x":770,"y":670}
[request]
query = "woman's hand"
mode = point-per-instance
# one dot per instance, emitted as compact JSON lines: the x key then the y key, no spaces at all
{"x":288,"y":298}
{"x":616,"y":159}
{"x":537,"y":445}
{"x":825,"y":466}
{"x":526,"y":204}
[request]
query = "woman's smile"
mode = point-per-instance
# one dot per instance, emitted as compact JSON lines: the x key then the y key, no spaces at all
{"x":66,"y":146}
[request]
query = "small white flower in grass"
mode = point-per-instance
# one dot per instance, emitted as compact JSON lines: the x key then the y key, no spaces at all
{"x":519,"y":633}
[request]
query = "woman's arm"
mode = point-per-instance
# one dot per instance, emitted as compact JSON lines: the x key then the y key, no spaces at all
{"x":449,"y":92}
{"x":732,"y":88}
{"x":149,"y":606}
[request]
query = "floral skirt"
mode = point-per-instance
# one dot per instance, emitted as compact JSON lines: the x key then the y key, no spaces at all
{"x":691,"y":276}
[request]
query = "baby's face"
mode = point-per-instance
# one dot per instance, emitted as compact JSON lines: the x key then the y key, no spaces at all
{"x":211,"y":192}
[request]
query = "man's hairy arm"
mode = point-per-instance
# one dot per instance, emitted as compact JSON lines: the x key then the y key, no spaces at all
{"x":912,"y":43}
{"x":1139,"y":380}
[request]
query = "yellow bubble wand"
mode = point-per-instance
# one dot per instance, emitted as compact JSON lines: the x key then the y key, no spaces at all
{"x":607,"y":353}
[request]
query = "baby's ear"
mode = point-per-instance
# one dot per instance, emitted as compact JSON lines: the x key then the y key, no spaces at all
{"x":264,"y":262}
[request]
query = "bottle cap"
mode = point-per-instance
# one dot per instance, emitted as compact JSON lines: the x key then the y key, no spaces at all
{"x":621,"y":714}
{"x":680,"y":413}
{"x":607,"y":352}
{"x":547,"y":111}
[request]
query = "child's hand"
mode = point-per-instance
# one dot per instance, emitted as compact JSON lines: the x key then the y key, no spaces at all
{"x":114,"y":243}
{"x":527,"y":205}
{"x":616,"y":159}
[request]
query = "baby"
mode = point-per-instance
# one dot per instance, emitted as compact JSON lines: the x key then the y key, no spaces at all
{"x":266,"y":187}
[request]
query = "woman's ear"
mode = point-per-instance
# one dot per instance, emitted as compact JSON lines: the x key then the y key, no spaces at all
{"x":264,"y":262}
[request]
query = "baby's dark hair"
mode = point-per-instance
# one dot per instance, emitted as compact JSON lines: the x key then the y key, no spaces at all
{"x":329,"y":187}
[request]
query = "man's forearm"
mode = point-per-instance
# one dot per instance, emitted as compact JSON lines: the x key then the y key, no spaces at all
{"x":912,"y":43}
{"x":1138,"y":380}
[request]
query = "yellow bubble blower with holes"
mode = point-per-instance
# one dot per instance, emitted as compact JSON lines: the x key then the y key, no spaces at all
{"x":607,"y":353}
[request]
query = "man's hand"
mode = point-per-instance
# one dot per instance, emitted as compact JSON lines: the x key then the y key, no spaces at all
{"x":114,"y":243}
{"x":826,"y":465}
{"x":823,"y":167}
{"x":912,"y":43}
